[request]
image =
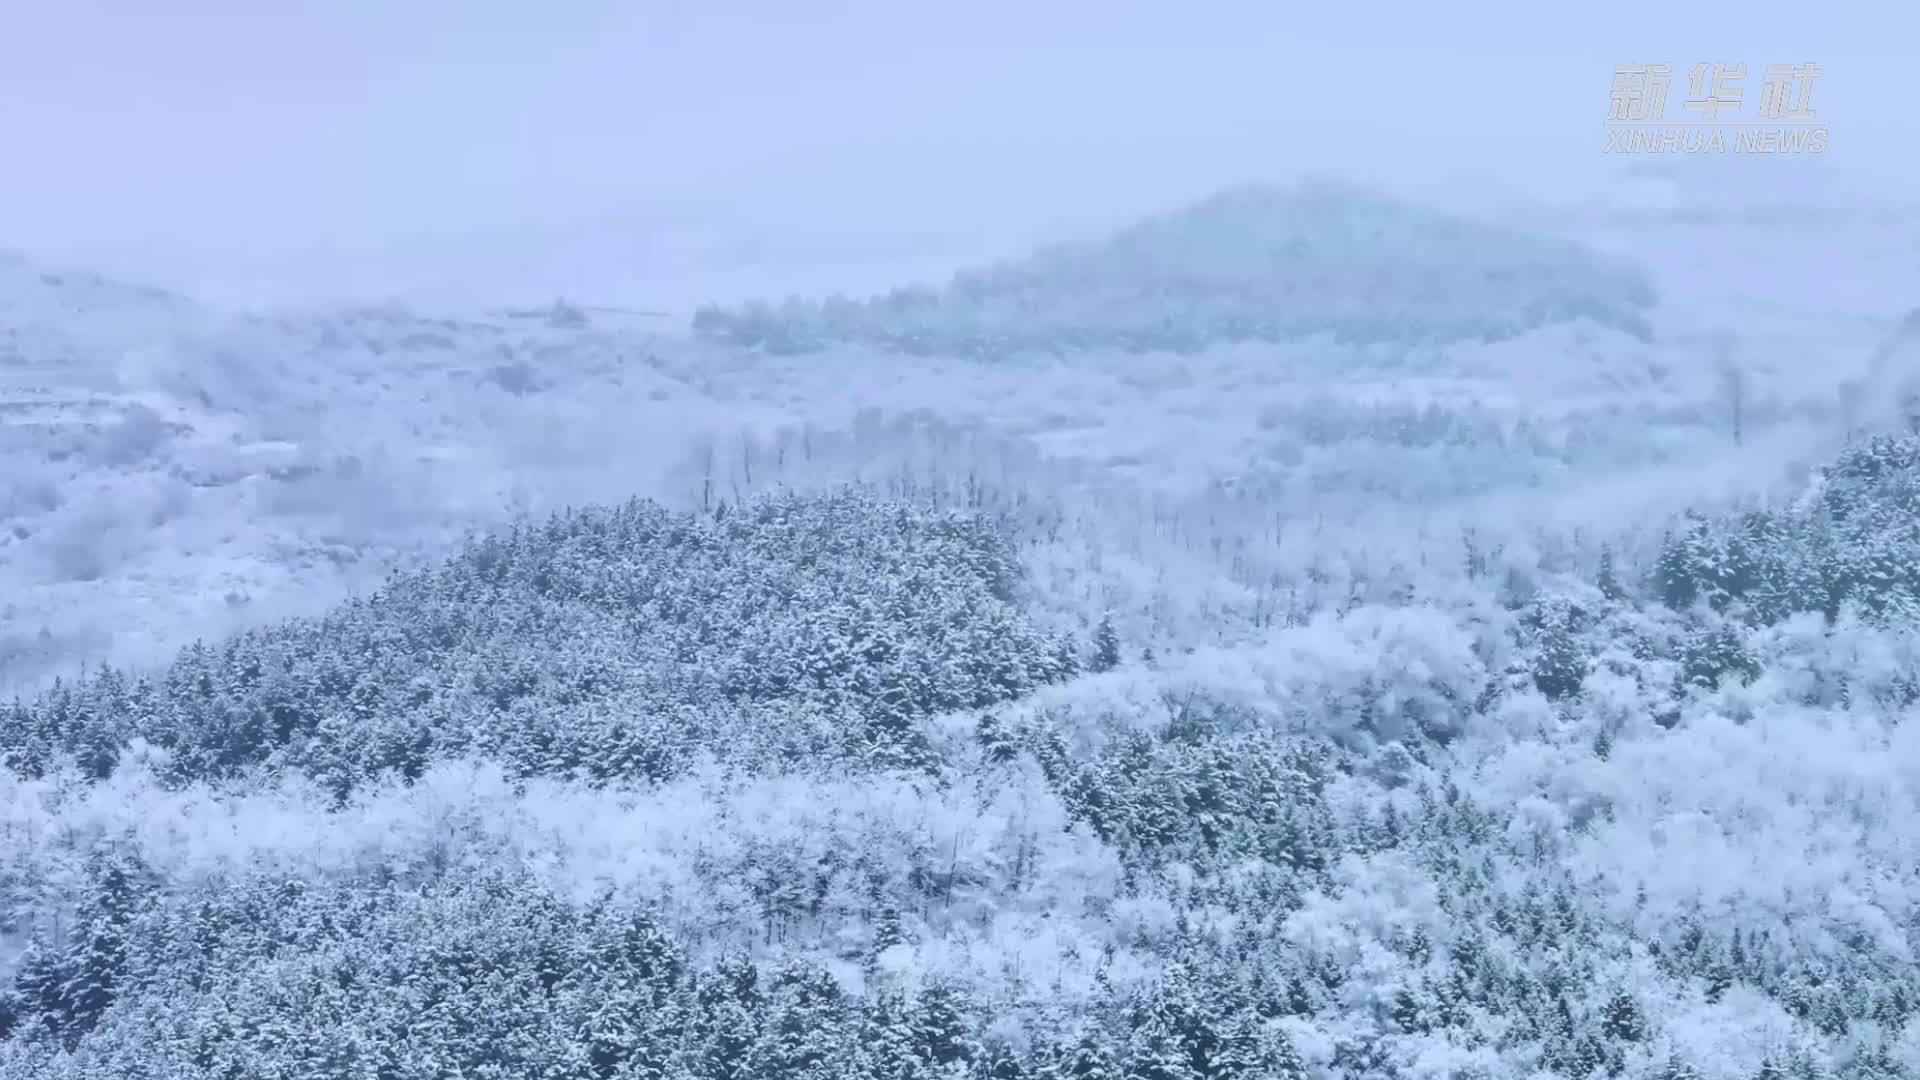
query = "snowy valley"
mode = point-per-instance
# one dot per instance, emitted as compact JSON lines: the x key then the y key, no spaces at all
{"x":1306,"y":634}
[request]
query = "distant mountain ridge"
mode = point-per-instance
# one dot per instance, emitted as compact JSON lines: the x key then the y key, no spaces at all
{"x":1253,"y":263}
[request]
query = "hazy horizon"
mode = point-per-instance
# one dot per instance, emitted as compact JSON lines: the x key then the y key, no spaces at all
{"x":492,"y":152}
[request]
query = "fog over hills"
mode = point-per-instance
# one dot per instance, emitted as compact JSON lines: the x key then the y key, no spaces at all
{"x":120,"y":397}
{"x":884,"y":542}
{"x":1252,"y":264}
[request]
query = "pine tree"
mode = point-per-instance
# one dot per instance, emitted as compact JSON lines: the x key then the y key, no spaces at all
{"x":887,"y":932}
{"x":1609,"y":579}
{"x":1675,"y":577}
{"x":942,"y":1023}
{"x":1560,"y":664}
{"x":1409,"y":1015}
{"x":1875,"y":1063}
{"x":805,"y":1025}
{"x":1803,"y":1065}
{"x":1089,"y":1058}
{"x":1159,"y":1046}
{"x":1676,"y":1068}
{"x":1621,"y":1019}
{"x":1239,"y":1052}
{"x":1283,"y":1062}
{"x":73,"y":991}
{"x":886,"y":1049}
{"x":1106,"y":646}
{"x":993,"y":738}
{"x":729,"y":1012}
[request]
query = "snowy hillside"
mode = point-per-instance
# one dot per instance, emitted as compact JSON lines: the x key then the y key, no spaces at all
{"x":210,"y":471}
{"x":573,"y":699}
{"x":1492,"y":834}
{"x":166,"y":466}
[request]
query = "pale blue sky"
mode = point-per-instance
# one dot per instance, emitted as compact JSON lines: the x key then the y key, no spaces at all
{"x":203,"y":141}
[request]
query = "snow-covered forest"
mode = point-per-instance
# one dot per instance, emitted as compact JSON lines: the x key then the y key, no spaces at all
{"x":1305,"y":635}
{"x":1226,"y":270}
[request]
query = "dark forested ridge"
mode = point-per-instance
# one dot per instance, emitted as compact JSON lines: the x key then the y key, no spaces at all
{"x":611,"y":642}
{"x":1186,"y":886}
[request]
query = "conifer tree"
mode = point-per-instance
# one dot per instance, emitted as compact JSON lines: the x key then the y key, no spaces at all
{"x":1106,"y":646}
